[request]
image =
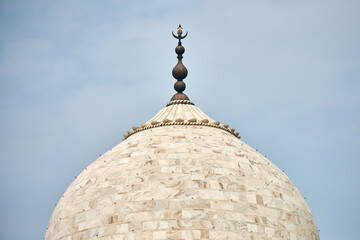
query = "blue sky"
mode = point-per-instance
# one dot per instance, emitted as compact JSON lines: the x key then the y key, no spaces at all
{"x":75,"y":75}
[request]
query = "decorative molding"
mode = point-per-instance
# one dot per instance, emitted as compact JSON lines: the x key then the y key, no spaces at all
{"x":155,"y":125}
{"x":173,"y":102}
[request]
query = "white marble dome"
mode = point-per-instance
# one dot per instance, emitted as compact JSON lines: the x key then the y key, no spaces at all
{"x":182,"y":175}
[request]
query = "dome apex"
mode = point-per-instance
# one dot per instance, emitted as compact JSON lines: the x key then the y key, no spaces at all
{"x":180,"y":112}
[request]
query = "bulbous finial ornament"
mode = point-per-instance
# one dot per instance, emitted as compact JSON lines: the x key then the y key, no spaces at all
{"x":179,"y":32}
{"x":179,"y":72}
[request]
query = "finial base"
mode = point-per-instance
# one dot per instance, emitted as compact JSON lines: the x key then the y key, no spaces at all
{"x":180,"y":96}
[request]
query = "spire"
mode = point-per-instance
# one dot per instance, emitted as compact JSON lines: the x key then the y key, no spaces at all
{"x":179,"y":72}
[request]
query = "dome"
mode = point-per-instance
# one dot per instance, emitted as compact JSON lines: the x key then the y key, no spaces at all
{"x":182,"y":175}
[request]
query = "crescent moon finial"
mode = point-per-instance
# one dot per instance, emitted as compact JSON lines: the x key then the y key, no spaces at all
{"x":179,"y":72}
{"x":179,"y":33}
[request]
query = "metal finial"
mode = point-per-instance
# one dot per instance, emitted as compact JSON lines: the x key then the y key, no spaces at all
{"x":179,"y":32}
{"x":179,"y":72}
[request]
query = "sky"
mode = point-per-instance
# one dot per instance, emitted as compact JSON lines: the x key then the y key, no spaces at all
{"x":75,"y":75}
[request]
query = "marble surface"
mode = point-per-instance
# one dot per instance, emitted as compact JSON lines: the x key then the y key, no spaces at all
{"x":182,"y":182}
{"x":180,"y":114}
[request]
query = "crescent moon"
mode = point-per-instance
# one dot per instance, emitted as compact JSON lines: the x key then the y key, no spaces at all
{"x":185,"y":35}
{"x":174,"y":35}
{"x":177,"y":37}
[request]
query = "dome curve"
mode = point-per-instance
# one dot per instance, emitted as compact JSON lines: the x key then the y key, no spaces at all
{"x":182,"y":182}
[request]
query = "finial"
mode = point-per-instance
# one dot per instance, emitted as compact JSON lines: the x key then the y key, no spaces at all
{"x":179,"y":72}
{"x":179,"y":32}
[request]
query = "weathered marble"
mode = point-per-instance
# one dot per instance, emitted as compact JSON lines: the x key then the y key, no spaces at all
{"x":182,"y":182}
{"x":185,"y":113}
